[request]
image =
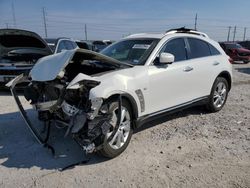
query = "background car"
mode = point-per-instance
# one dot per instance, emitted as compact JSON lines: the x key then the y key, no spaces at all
{"x":19,"y":51}
{"x":245,"y":44}
{"x":99,"y":45}
{"x":85,"y":45}
{"x":236,"y":51}
{"x":59,"y":44}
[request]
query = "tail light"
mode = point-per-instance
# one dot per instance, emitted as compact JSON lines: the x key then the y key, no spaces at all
{"x":230,"y":60}
{"x":234,"y":51}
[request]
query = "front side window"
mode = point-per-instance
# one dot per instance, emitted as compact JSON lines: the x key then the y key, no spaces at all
{"x":198,"y":48}
{"x":61,"y":47}
{"x":132,"y":51}
{"x":177,"y":48}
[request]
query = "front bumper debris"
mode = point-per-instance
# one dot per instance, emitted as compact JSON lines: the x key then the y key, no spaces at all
{"x":12,"y":85}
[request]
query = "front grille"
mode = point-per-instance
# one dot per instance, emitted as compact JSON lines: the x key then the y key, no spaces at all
{"x":13,"y":72}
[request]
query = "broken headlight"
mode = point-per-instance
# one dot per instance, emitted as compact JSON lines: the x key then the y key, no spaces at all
{"x":95,"y":106}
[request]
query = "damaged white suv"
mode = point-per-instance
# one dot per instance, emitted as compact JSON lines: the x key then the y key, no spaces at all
{"x":102,"y":97}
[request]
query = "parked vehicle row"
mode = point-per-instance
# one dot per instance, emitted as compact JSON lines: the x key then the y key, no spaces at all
{"x":236,"y":51}
{"x":20,"y":50}
{"x":101,"y":98}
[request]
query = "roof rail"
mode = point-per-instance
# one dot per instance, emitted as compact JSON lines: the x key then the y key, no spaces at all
{"x":186,"y":30}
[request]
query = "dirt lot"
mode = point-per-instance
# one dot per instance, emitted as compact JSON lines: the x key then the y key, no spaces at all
{"x":188,"y":149}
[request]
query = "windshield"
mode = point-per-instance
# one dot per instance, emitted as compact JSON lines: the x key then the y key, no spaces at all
{"x":132,"y":51}
{"x":233,"y":46}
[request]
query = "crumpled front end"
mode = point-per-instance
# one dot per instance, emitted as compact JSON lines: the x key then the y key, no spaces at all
{"x":59,"y":89}
{"x":86,"y":120}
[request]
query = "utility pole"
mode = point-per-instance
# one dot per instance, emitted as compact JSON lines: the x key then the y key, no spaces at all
{"x":244,"y":37}
{"x":13,"y":14}
{"x":195,"y":22}
{"x":44,"y":22}
{"x":228,"y":34}
{"x":234,"y":33}
{"x":86,"y":33}
{"x":7,"y":25}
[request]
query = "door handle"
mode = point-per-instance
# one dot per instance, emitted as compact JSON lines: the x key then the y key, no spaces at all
{"x":216,"y":63}
{"x":187,"y":69}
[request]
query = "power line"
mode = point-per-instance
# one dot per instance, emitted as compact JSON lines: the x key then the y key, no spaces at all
{"x":44,"y":22}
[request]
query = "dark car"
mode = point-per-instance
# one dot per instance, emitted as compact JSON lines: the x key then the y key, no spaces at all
{"x":99,"y":45}
{"x":85,"y":45}
{"x":19,"y":51}
{"x":236,"y":51}
{"x":245,"y":44}
{"x":59,"y":44}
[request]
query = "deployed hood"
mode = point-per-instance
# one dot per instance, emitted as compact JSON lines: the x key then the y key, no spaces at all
{"x":16,"y":42}
{"x":49,"y":67}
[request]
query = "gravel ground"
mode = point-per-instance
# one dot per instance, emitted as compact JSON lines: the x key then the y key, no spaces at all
{"x":190,"y":148}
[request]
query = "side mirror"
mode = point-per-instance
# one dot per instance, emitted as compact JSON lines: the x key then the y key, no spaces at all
{"x":166,"y":58}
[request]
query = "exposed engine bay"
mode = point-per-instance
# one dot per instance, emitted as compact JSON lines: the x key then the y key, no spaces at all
{"x":63,"y":99}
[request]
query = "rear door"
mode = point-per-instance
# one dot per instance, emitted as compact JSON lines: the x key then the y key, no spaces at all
{"x":204,"y":60}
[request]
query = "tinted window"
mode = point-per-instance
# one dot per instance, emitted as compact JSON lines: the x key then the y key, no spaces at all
{"x":232,"y":45}
{"x":74,"y":44}
{"x":177,"y":48}
{"x":61,"y":46}
{"x":68,"y":45}
{"x":213,"y":50}
{"x":198,"y":48}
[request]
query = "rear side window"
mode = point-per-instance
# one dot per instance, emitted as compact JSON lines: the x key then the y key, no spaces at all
{"x":213,"y":50}
{"x":198,"y":48}
{"x":177,"y":48}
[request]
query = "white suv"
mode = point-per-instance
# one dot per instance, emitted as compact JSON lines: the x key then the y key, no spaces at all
{"x":102,"y":97}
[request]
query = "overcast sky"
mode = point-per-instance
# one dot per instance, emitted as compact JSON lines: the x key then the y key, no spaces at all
{"x":113,"y":19}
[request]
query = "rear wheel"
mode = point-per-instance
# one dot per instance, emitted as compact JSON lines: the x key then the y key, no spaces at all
{"x":218,"y":95}
{"x":121,"y":138}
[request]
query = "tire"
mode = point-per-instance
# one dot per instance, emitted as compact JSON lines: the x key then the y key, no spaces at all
{"x":111,"y":148}
{"x":218,"y":95}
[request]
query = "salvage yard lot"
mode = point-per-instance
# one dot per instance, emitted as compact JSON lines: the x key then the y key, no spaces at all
{"x":191,"y":148}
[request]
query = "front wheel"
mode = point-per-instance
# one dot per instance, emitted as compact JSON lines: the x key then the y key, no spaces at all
{"x":120,"y":138}
{"x":218,"y":95}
